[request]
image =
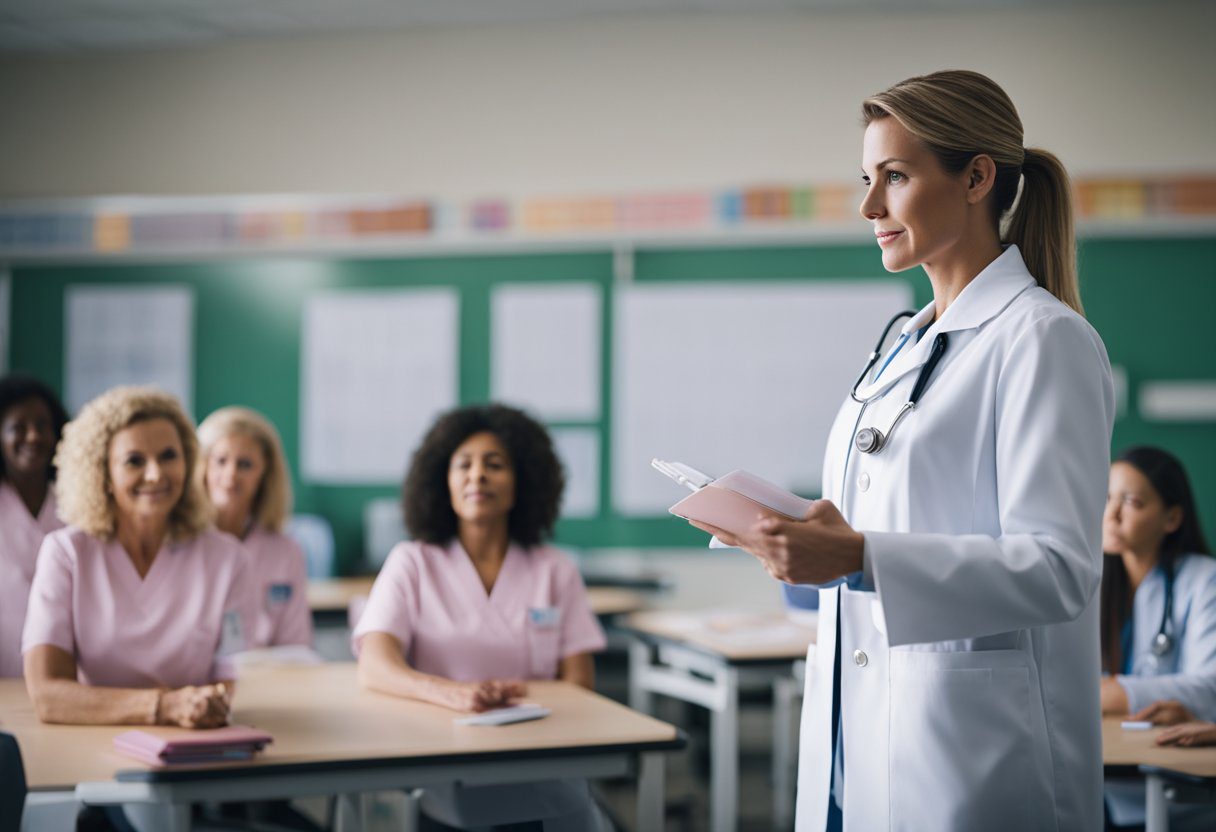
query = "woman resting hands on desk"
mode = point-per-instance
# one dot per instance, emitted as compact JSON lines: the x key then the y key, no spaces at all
{"x":1158,"y":591}
{"x":136,"y":606}
{"x":31,"y":422}
{"x":244,"y":473}
{"x":476,"y":603}
{"x":1158,"y":625}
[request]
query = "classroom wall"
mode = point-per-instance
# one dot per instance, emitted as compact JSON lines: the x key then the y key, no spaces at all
{"x":635,"y":103}
{"x":248,"y":315}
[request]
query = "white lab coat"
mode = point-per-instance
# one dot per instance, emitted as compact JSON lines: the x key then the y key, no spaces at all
{"x":969,"y":678}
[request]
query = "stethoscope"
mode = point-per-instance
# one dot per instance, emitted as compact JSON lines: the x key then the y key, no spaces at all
{"x":871,"y":440}
{"x":1163,"y":642}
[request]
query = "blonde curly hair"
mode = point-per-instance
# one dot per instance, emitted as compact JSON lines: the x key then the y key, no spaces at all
{"x":82,"y":487}
{"x":272,"y":503}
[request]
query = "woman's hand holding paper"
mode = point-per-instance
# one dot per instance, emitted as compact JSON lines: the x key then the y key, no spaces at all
{"x":821,"y":547}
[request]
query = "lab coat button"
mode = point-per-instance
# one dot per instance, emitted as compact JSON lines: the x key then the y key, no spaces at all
{"x":860,"y":658}
{"x":863,"y":482}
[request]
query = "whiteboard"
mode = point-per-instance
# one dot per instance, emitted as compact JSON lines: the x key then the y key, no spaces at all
{"x":545,"y":349}
{"x":128,"y":334}
{"x":579,"y":451}
{"x":737,"y":375}
{"x":377,"y":368}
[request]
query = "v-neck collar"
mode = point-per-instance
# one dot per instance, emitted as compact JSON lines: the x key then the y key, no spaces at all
{"x":46,"y":513}
{"x":471,"y":579}
{"x":141,"y":588}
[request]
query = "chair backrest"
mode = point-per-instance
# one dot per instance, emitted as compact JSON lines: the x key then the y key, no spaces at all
{"x":12,"y":784}
{"x":316,"y":538}
{"x":383,"y":528}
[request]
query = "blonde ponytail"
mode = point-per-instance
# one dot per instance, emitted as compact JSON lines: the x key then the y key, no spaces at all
{"x":959,"y":115}
{"x":1041,"y":226}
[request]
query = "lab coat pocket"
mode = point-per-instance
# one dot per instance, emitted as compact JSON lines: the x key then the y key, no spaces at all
{"x":544,"y":642}
{"x":966,"y":742}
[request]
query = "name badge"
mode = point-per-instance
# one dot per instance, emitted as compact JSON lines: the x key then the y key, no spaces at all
{"x":278,"y":594}
{"x":232,"y":634}
{"x":544,"y":617}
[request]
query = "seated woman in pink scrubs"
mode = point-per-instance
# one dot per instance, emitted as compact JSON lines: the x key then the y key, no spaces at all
{"x":31,"y":422}
{"x":245,"y":474}
{"x":477,"y":603}
{"x":136,"y":605}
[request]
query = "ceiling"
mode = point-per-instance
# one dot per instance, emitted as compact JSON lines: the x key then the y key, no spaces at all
{"x":58,"y":26}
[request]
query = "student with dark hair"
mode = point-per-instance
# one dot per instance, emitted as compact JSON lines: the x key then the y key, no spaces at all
{"x":477,"y":603}
{"x":31,"y":423}
{"x":1158,"y":605}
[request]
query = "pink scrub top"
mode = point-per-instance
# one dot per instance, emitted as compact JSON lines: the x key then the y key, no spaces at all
{"x":178,"y":625}
{"x":279,"y":576}
{"x":21,"y":534}
{"x":431,"y":599}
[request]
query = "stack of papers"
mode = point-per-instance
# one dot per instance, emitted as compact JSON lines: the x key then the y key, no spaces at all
{"x":236,"y":742}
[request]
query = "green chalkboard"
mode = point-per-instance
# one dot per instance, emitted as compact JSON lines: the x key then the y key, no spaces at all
{"x":1151,"y":300}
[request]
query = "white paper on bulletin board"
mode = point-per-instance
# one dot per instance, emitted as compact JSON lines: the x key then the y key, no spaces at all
{"x":545,"y":354}
{"x":742,"y":375}
{"x":128,"y":334}
{"x":377,"y":368}
{"x":579,"y":451}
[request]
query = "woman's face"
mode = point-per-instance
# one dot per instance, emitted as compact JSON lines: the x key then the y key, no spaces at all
{"x":481,"y":479}
{"x":917,"y":209}
{"x":1136,"y":519}
{"x":147,"y":470}
{"x":27,"y":437}
{"x":235,"y":467}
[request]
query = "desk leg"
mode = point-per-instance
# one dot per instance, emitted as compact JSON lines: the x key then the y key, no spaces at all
{"x":640,"y":698}
{"x":724,"y":754}
{"x":349,"y":811}
{"x":785,"y":689}
{"x":158,"y":817}
{"x":652,"y":803}
{"x":1157,"y":808}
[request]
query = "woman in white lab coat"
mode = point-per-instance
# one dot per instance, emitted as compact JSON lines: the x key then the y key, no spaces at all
{"x":955,"y":682}
{"x":1158,"y":621}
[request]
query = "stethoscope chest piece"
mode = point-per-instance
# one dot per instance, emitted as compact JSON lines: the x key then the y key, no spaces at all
{"x":1163,"y":643}
{"x":869,"y":440}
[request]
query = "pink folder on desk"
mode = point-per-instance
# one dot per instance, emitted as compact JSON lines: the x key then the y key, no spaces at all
{"x":236,"y":742}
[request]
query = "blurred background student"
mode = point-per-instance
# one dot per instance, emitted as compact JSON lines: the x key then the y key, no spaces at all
{"x":136,"y":605}
{"x":477,"y":603}
{"x":1158,"y":606}
{"x":31,"y":422}
{"x":244,"y":473}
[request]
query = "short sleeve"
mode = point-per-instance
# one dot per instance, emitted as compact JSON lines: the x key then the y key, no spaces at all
{"x":49,"y":617}
{"x":393,"y":605}
{"x":581,"y":631}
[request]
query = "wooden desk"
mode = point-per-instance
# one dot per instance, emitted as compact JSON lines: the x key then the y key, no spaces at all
{"x":332,"y":596}
{"x":702,"y":658}
{"x":333,"y":738}
{"x":1159,"y":764}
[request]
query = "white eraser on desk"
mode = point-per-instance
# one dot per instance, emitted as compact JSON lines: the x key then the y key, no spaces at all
{"x":1136,"y":725}
{"x":505,"y":716}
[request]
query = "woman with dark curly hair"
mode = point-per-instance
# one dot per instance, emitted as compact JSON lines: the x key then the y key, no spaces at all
{"x":31,"y":422}
{"x":477,"y":603}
